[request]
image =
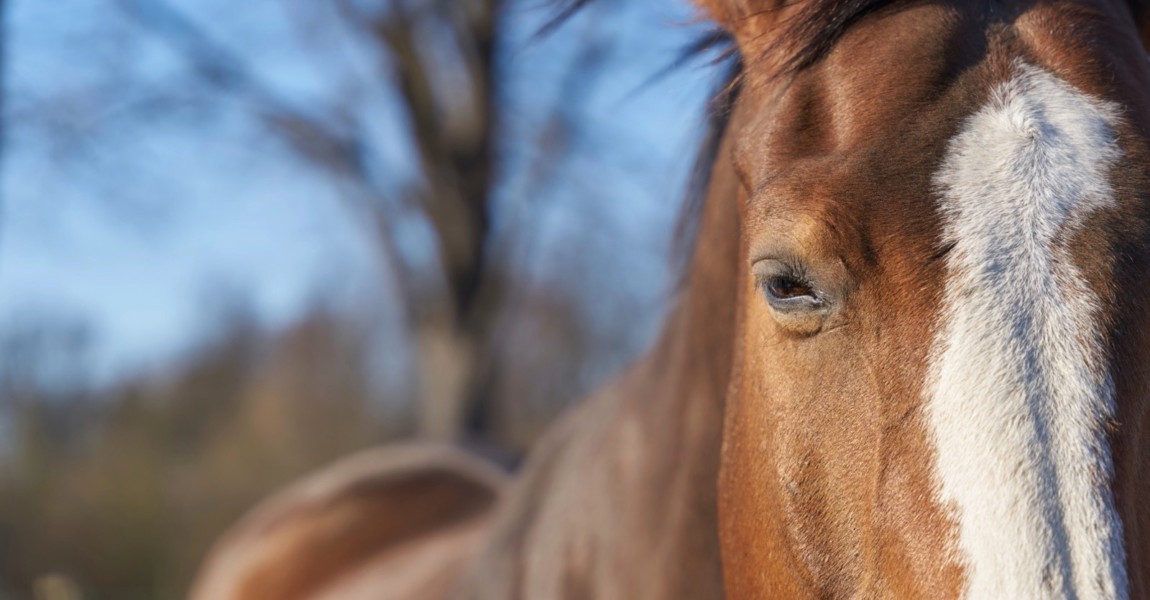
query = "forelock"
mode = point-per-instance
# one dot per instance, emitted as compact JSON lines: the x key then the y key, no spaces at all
{"x":794,"y":34}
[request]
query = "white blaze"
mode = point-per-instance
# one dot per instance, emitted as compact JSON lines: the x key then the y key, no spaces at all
{"x":1019,"y":390}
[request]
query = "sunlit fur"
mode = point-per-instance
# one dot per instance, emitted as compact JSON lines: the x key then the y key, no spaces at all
{"x":1020,"y":394}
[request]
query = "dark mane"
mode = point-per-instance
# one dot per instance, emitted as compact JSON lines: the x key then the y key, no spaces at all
{"x":806,"y":37}
{"x":812,"y":32}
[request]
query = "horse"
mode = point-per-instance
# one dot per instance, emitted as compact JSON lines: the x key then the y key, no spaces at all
{"x":909,"y":359}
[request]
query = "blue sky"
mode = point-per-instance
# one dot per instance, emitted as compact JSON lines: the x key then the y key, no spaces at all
{"x":134,"y":223}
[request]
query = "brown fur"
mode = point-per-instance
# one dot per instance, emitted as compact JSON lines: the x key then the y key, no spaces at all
{"x":825,"y":493}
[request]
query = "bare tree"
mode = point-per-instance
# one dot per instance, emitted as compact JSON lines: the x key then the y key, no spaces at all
{"x":453,"y":128}
{"x":441,"y":58}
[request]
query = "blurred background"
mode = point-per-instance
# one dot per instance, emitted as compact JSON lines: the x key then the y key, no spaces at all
{"x":239,"y":240}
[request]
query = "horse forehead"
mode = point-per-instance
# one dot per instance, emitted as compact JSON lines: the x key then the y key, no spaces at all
{"x":839,"y":142}
{"x":913,"y":70}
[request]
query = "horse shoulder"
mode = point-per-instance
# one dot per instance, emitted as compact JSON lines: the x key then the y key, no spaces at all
{"x":395,"y":522}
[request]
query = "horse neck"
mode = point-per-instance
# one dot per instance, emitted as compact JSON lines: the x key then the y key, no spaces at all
{"x":647,"y":446}
{"x":668,"y":422}
{"x":675,"y":395}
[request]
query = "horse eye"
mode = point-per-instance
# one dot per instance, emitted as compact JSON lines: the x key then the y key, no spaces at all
{"x":786,"y":288}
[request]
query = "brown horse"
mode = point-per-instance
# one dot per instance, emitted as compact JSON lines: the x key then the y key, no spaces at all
{"x":917,"y":323}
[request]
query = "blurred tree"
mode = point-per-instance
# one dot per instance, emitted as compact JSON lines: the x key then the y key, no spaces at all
{"x":453,"y":122}
{"x":442,"y":58}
